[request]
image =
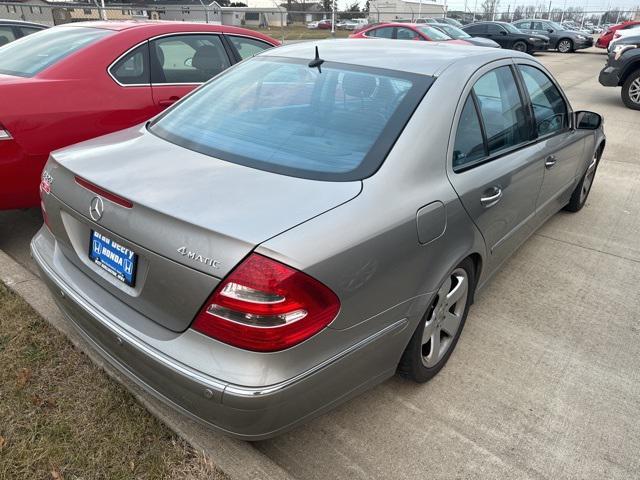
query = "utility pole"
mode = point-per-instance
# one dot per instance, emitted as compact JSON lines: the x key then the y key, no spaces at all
{"x":333,"y":18}
{"x":475,"y":5}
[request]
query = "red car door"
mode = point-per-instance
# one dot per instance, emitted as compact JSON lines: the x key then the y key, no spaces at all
{"x":182,"y":62}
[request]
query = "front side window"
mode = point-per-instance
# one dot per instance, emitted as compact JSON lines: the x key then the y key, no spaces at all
{"x":29,"y":30}
{"x":407,"y":34}
{"x":133,"y":68}
{"x":469,"y":145}
{"x":538,"y":26}
{"x":187,"y":59}
{"x":280,"y":115}
{"x":32,"y":54}
{"x":502,"y":111}
{"x":549,"y":108}
{"x":6,"y":35}
{"x":248,"y":47}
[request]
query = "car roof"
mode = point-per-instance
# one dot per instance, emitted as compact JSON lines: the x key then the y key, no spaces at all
{"x":4,"y":21}
{"x":425,"y":58}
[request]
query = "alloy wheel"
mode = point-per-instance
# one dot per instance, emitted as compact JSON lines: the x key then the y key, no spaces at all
{"x":444,"y":317}
{"x":564,"y":46}
{"x":634,"y":91}
{"x":520,"y":47}
{"x":588,"y":179}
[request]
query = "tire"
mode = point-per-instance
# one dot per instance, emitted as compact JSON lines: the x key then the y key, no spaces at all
{"x":582,"y":190}
{"x":631,"y":91}
{"x":521,"y":46}
{"x":422,"y":359}
{"x":565,"y":45}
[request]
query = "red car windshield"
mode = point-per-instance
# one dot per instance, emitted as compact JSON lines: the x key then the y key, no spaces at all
{"x":32,"y":54}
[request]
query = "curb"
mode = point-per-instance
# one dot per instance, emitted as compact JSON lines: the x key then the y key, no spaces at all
{"x":236,"y":458}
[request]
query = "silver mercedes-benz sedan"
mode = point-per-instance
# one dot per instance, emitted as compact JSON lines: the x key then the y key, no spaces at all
{"x":309,"y":222}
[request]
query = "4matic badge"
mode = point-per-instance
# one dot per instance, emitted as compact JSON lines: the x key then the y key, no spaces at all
{"x":199,"y":258}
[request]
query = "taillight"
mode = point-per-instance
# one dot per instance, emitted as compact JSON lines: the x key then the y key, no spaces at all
{"x":45,"y":189}
{"x":265,"y":306}
{"x":4,"y":133}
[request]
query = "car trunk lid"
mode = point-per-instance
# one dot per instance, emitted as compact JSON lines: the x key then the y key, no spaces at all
{"x":187,"y":209}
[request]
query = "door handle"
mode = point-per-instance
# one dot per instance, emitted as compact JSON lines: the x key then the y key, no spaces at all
{"x":168,"y":101}
{"x":491,"y":196}
{"x":550,"y":162}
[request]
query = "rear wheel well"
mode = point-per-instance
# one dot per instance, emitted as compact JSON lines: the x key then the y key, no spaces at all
{"x":477,"y":266}
{"x":628,"y":71}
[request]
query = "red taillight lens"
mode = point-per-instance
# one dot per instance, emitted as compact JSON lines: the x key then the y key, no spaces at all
{"x":265,"y":306}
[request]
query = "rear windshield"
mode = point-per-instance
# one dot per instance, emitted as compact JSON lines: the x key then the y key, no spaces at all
{"x":32,"y":54}
{"x":280,"y":115}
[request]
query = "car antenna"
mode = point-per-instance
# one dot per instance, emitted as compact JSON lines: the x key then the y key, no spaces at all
{"x":316,"y":62}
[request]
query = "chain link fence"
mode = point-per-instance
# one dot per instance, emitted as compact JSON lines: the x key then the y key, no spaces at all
{"x":292,"y":25}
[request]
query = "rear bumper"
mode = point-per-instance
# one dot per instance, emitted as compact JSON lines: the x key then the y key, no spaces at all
{"x":249,"y":413}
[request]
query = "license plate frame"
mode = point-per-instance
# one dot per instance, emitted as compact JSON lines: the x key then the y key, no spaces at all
{"x":112,"y":257}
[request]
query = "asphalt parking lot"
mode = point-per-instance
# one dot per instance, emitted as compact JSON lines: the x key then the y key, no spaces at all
{"x":545,"y":381}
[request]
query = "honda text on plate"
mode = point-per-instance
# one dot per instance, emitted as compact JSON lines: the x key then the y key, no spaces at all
{"x":308,"y":223}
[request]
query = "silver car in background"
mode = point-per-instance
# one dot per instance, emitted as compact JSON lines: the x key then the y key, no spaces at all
{"x":309,"y":222}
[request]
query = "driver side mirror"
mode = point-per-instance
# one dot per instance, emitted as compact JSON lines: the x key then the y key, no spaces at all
{"x":585,"y":120}
{"x":188,"y":62}
{"x":502,"y":32}
{"x":550,"y":30}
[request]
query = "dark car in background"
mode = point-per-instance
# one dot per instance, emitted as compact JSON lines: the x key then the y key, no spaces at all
{"x":565,"y":41}
{"x":459,"y":34}
{"x":508,"y":36}
{"x":623,"y":70}
{"x":11,"y":30}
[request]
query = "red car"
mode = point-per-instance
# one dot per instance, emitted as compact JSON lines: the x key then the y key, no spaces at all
{"x":607,"y":36}
{"x":77,"y":81}
{"x":406,"y":31}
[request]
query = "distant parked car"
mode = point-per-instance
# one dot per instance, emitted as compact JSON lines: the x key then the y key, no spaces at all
{"x":451,"y":21}
{"x":11,"y":30}
{"x":508,"y":36}
{"x":604,"y":39}
{"x":407,"y":31}
{"x":77,"y":81}
{"x":459,"y":34}
{"x":324,"y":25}
{"x":623,"y":70}
{"x":565,"y":41}
{"x":347,"y":25}
{"x":622,"y":34}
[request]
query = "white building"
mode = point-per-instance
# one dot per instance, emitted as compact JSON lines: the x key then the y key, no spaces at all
{"x":389,"y":10}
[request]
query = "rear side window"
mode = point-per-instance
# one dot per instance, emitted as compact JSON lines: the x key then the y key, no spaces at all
{"x":248,"y":47}
{"x":32,"y":54}
{"x":29,"y":30}
{"x":6,"y":35}
{"x":502,"y":111}
{"x":549,"y":108}
{"x":386,"y":32}
{"x":476,"y":29}
{"x":279,"y":115}
{"x":469,"y":145}
{"x":133,"y":68}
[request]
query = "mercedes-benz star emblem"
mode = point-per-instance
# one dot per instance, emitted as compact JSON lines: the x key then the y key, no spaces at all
{"x":96,"y":209}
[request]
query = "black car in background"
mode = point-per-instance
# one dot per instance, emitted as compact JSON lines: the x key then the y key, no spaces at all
{"x":508,"y":36}
{"x":11,"y":30}
{"x":623,"y":70}
{"x":459,"y":34}
{"x":565,"y":41}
